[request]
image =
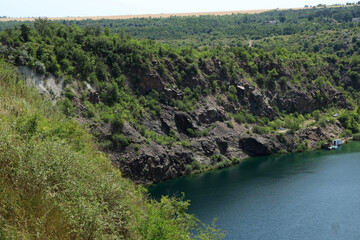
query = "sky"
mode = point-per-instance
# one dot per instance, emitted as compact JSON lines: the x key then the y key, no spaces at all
{"x":75,"y":8}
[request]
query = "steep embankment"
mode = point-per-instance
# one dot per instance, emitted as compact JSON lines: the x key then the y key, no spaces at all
{"x":55,"y":184}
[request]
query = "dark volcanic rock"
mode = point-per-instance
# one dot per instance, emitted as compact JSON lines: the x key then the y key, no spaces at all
{"x":211,"y":115}
{"x":259,"y":105}
{"x":259,"y":145}
{"x":154,"y":164}
{"x":184,"y":121}
{"x":298,"y":100}
{"x":208,"y":146}
{"x":150,"y":81}
{"x":223,"y":146}
{"x":209,"y":112}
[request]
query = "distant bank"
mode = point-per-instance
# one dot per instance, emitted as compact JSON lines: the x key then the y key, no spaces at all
{"x":162,"y":15}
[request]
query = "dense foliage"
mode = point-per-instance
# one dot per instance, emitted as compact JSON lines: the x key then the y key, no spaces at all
{"x":228,"y":29}
{"x":231,"y":28}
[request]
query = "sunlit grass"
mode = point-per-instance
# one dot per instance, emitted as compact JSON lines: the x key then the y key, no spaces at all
{"x":55,"y":184}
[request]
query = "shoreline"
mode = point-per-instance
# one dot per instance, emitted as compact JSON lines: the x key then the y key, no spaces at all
{"x":241,"y":161}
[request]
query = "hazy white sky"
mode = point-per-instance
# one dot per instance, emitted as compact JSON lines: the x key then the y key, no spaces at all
{"x":63,"y":8}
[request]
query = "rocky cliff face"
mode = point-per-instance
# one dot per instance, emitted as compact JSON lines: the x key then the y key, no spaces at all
{"x":153,"y":162}
{"x":147,"y":161}
{"x":49,"y":86}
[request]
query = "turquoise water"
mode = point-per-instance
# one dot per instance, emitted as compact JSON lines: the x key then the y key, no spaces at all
{"x":312,"y":195}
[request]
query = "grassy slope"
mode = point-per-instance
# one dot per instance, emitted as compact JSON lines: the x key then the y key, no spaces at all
{"x":54,"y":184}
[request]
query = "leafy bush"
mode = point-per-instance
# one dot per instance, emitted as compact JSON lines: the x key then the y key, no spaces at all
{"x":322,"y":122}
{"x":67,"y":107}
{"x":316,"y":114}
{"x":346,"y":133}
{"x":216,"y":158}
{"x":69,"y":94}
{"x":261,"y":130}
{"x":356,"y":136}
{"x":120,"y":140}
{"x":292,"y":123}
{"x":168,"y":140}
{"x":188,"y":169}
{"x":281,"y":137}
{"x":243,"y":117}
{"x":235,"y":160}
{"x":117,"y":123}
{"x":197,"y":133}
{"x":91,"y":111}
{"x":185,"y":143}
{"x":302,"y":147}
{"x":230,"y":124}
{"x":224,"y":164}
{"x":350,"y":120}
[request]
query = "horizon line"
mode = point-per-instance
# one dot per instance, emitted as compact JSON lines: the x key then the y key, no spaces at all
{"x":163,"y":15}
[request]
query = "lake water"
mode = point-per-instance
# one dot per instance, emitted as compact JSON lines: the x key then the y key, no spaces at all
{"x":311,"y":195}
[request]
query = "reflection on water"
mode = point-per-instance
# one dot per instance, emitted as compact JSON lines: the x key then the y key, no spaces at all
{"x":312,"y":195}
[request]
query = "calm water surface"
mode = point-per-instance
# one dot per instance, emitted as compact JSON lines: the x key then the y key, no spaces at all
{"x":313,"y":195}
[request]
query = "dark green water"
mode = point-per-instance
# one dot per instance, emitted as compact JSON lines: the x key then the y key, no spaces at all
{"x":312,"y":195}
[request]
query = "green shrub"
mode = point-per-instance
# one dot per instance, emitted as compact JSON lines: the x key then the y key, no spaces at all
{"x":322,"y":122}
{"x":350,"y":120}
{"x":216,"y":158}
{"x":224,"y":164}
{"x":261,"y":130}
{"x":302,"y":147}
{"x":281,"y":137}
{"x":197,"y":133}
{"x":117,"y":123}
{"x":120,"y":140}
{"x":185,"y":143}
{"x":67,"y":107}
{"x":188,"y":169}
{"x":282,"y":151}
{"x":230,"y":124}
{"x":219,"y":99}
{"x":346,"y":133}
{"x":91,"y":111}
{"x":196,"y":165}
{"x":292,"y":123}
{"x":356,"y":136}
{"x":69,"y":94}
{"x":137,"y":147}
{"x":235,"y":160}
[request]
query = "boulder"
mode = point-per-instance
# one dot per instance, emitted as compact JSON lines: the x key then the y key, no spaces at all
{"x":184,"y":121}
